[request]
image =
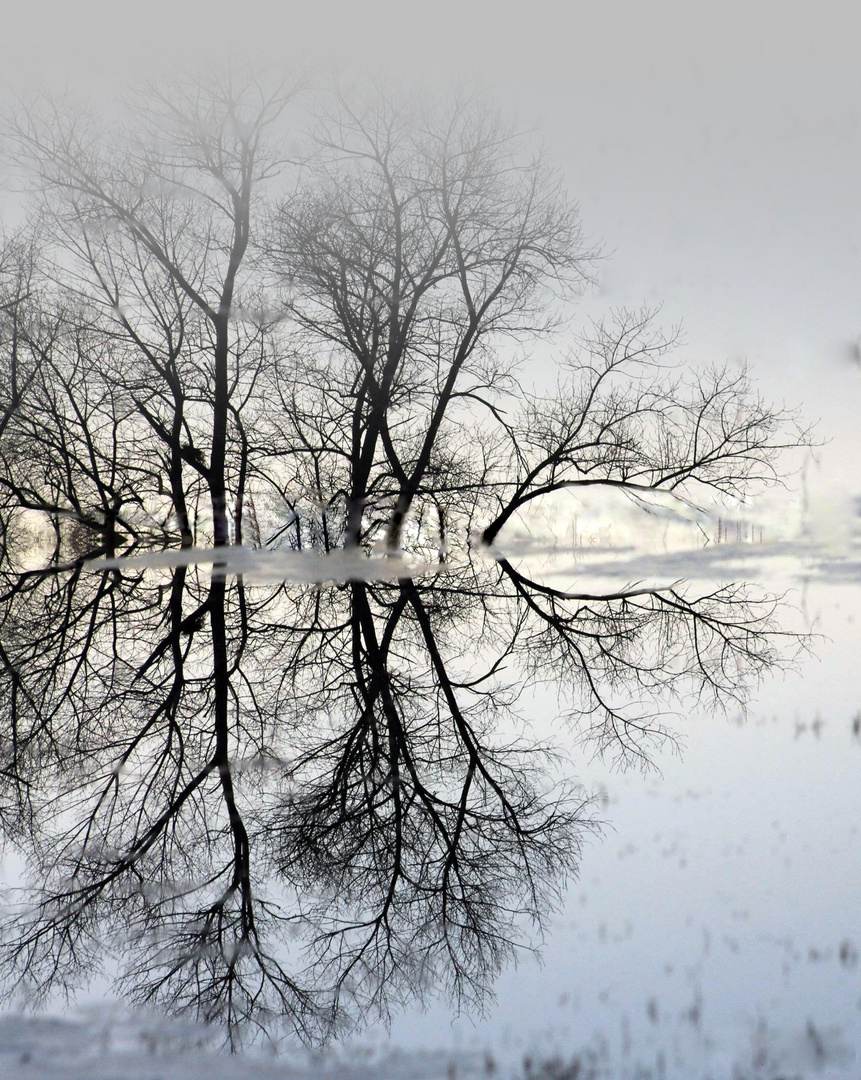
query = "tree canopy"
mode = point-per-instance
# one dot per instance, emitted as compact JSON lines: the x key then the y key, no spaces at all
{"x":323,"y":346}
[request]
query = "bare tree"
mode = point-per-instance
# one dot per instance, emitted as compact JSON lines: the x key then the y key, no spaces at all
{"x":624,"y":416}
{"x":150,"y":229}
{"x":424,"y":245}
{"x":424,"y":239}
{"x":354,"y":356}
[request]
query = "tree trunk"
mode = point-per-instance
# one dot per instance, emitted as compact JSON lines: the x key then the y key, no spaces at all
{"x":217,"y":487}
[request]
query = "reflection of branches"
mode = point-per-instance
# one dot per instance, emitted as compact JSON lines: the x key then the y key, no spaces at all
{"x":292,"y":807}
{"x":661,"y":645}
{"x":136,"y":823}
{"x":432,"y":839}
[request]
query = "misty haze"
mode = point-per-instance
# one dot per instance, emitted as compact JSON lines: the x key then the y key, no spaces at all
{"x":425,"y":651}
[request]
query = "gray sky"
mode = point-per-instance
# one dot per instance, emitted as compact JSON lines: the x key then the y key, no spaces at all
{"x":715,"y":150}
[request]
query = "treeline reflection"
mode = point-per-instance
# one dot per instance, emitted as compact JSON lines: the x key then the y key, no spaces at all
{"x":294,"y":808}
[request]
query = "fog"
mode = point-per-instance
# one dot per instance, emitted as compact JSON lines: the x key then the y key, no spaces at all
{"x":715,"y":155}
{"x":715,"y":152}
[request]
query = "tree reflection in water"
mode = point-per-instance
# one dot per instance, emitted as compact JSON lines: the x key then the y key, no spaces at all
{"x":290,"y":808}
{"x":297,"y":808}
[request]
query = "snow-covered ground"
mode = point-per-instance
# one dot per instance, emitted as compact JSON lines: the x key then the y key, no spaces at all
{"x":105,"y":1044}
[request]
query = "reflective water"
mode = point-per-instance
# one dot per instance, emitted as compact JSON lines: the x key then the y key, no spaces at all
{"x":294,"y":809}
{"x":497,"y":669}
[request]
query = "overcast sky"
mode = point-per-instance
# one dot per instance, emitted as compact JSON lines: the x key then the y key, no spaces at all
{"x":715,"y":150}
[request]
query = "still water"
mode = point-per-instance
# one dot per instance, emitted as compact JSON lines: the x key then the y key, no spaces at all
{"x":551,"y":695}
{"x":554,"y":810}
